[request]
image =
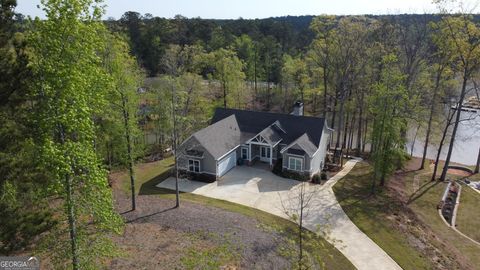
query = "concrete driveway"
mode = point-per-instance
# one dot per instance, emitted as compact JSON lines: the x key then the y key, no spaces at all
{"x":263,"y":190}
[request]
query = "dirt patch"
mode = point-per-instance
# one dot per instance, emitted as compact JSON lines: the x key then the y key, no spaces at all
{"x":158,"y":236}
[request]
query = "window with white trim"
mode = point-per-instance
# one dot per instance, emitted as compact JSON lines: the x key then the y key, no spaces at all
{"x":193,"y":165}
{"x":295,"y":164}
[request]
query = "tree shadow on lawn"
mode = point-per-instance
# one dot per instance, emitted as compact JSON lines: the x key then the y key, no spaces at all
{"x":417,"y":194}
{"x":355,"y":195}
{"x":149,"y":215}
{"x":149,"y":187}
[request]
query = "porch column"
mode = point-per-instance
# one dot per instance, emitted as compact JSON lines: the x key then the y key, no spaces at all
{"x":271,"y":152}
{"x":250,"y":152}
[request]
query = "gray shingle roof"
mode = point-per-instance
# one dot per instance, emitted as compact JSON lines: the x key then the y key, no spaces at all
{"x":271,"y":134}
{"x":231,"y":127}
{"x":294,"y":126}
{"x":220,"y":137}
{"x":305,"y":143}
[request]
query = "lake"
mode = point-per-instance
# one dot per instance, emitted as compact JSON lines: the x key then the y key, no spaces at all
{"x":466,"y":145}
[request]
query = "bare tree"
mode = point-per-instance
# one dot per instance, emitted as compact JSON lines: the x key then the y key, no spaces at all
{"x":296,"y":207}
{"x":461,"y":38}
{"x":174,"y":143}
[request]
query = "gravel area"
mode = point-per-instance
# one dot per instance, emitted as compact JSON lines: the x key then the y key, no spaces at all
{"x":157,"y":235}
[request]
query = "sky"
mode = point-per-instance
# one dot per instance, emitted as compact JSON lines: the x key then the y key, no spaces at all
{"x":249,"y":9}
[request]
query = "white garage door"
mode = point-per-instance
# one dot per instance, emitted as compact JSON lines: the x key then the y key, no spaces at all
{"x":227,"y":163}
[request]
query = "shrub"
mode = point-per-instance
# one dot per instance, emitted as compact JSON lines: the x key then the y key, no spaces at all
{"x":277,"y":168}
{"x":323,"y":176}
{"x":295,"y":175}
{"x":316,"y":179}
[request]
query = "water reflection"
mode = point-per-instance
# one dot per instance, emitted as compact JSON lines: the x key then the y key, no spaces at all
{"x":467,"y":141}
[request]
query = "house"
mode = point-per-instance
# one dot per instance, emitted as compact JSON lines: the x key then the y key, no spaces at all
{"x":245,"y":137}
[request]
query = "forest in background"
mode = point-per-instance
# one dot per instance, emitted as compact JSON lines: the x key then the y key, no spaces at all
{"x":331,"y":63}
{"x":78,"y":94}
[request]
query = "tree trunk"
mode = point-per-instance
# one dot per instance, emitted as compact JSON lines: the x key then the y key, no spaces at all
{"x":345,"y":133}
{"x":478,"y":162}
{"x":268,"y":95}
{"x":350,"y":135}
{"x":345,"y":130}
{"x":174,"y":146}
{"x":334,"y":109}
{"x":359,"y":131}
{"x":414,"y":140}
{"x":72,"y":224}
{"x":430,"y":118}
{"x":364,"y":142}
{"x":126,"y":119}
{"x":70,"y":201}
{"x":340,"y":124}
{"x":224,"y":96}
{"x":255,"y":77}
{"x":455,"y":127}
{"x":300,"y":226}
{"x":440,"y":146}
{"x":325,"y":85}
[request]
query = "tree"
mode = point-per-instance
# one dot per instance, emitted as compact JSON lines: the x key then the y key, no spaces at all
{"x":348,"y":65}
{"x":226,"y":68}
{"x":24,"y":213}
{"x":296,"y":207}
{"x":294,"y":73}
{"x":245,"y":49}
{"x":126,"y":78}
{"x":320,"y":51}
{"x":461,"y":38}
{"x":69,"y":91}
{"x":386,"y":104}
{"x":441,"y":73}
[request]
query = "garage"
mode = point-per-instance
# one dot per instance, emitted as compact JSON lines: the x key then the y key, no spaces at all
{"x":227,"y":163}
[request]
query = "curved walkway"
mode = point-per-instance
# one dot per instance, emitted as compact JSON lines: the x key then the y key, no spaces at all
{"x":263,"y":190}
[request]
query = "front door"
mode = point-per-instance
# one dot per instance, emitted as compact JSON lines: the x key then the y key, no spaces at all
{"x":265,"y":153}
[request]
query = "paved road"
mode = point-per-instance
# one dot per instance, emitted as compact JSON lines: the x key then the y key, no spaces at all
{"x":261,"y":189}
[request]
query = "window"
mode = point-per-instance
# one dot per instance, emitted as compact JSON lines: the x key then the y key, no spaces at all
{"x":193,"y":165}
{"x":295,"y":164}
{"x":244,"y":153}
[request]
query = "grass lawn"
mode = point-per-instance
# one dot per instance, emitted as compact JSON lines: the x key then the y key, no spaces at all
{"x":148,"y":175}
{"x":467,"y":221}
{"x":423,"y":203}
{"x":369,"y":214}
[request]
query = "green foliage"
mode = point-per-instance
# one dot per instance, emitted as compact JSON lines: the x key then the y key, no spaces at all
{"x":22,"y":209}
{"x":316,"y":178}
{"x":121,"y":115}
{"x":193,"y":108}
{"x":247,"y":51}
{"x":294,"y":72}
{"x":225,"y":68}
{"x":388,"y":104}
{"x":278,"y":170}
{"x":21,"y":225}
{"x":70,"y":90}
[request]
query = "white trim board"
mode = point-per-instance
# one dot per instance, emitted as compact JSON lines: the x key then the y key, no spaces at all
{"x":229,"y":152}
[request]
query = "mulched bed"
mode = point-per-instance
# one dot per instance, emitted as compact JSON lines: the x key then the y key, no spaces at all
{"x":157,"y":235}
